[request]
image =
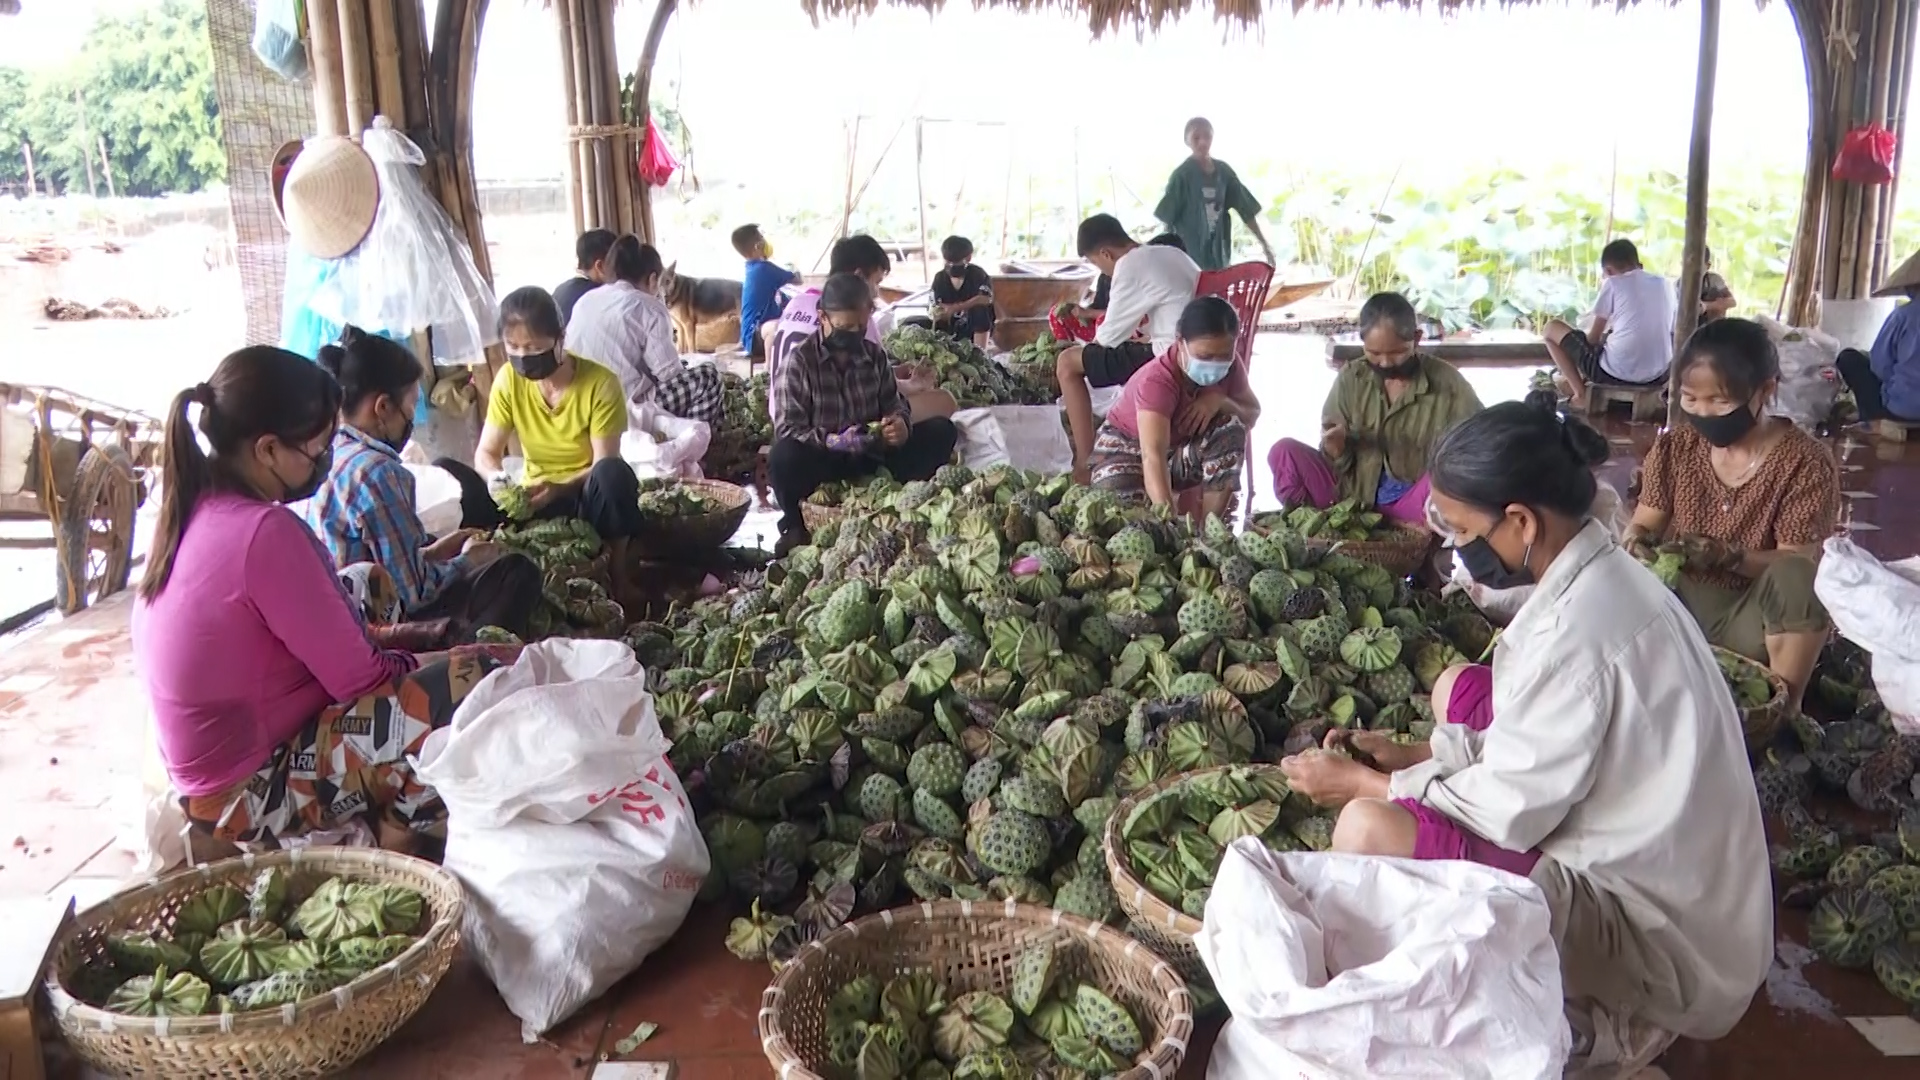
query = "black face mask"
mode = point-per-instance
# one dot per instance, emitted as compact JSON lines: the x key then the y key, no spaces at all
{"x":536,"y":366}
{"x":322,"y":465}
{"x":843,"y":340}
{"x":1405,"y":369}
{"x":399,"y":442}
{"x":1484,"y":566}
{"x":1723,"y":431}
{"x":958,"y":270}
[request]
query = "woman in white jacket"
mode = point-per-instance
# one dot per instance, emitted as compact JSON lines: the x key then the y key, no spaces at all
{"x":1607,"y":764}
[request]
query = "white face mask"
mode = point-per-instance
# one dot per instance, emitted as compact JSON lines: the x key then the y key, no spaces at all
{"x":1206,"y":372}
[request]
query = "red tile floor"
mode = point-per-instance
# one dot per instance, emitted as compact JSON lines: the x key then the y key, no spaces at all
{"x":71,"y":731}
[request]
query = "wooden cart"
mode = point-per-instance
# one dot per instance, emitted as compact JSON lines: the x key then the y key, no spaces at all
{"x":81,"y":466}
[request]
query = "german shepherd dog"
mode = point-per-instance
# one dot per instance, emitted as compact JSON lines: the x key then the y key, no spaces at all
{"x":706,"y":311}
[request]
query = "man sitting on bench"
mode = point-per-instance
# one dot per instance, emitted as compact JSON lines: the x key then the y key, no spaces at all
{"x":1631,"y":342}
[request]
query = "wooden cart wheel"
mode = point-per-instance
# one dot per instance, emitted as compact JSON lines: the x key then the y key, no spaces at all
{"x":95,"y":551}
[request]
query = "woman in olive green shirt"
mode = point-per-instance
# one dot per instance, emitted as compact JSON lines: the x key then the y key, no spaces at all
{"x":1200,"y":193}
{"x":1380,"y":424}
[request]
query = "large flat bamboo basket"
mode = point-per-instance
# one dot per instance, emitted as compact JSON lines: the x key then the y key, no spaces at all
{"x":314,"y":1037}
{"x":970,"y":946}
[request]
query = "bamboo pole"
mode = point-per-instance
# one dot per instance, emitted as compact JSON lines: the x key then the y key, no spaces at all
{"x":920,"y":189}
{"x":1699,"y":154}
{"x":1886,"y":32}
{"x":643,"y":108}
{"x":383,"y":34}
{"x":412,"y":24}
{"x":323,"y":42}
{"x":86,"y":146}
{"x":106,"y":167}
{"x":602,"y":115}
{"x":1841,"y":107}
{"x":1897,"y":123}
{"x":620,"y":148}
{"x":26,"y":149}
{"x":1803,"y":264}
{"x":583,"y":105}
{"x":563,"y":21}
{"x":356,"y":66}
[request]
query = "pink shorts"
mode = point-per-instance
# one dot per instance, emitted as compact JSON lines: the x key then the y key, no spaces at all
{"x":1437,"y":836}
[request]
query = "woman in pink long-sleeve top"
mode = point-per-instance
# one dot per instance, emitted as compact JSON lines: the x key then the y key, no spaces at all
{"x":276,"y":711}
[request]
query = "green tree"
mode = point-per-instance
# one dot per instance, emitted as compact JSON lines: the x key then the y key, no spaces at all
{"x":143,"y":83}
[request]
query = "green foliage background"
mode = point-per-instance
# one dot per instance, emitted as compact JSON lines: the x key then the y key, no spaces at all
{"x":145,"y":83}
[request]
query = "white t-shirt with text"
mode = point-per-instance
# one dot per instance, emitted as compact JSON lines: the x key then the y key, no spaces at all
{"x":1639,"y":310}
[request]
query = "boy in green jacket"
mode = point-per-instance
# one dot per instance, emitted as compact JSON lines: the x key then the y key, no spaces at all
{"x":1199,"y":194}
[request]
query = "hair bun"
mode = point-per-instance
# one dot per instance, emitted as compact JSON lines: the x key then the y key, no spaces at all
{"x":334,"y":357}
{"x":202,"y":393}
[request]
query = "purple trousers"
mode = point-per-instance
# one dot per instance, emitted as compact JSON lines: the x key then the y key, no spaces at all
{"x":1437,"y":837}
{"x":1302,"y":477}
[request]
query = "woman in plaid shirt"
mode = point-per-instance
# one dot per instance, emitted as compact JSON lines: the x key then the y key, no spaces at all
{"x":838,"y":413}
{"x":364,"y":511}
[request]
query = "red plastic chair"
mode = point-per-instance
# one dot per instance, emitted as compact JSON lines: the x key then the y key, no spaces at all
{"x":1244,"y":286}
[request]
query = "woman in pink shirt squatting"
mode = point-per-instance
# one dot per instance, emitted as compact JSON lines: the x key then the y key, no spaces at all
{"x":1181,"y":424}
{"x":277,"y":713}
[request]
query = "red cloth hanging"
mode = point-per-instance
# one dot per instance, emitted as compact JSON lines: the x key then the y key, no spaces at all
{"x":657,"y":163}
{"x":1866,"y":156}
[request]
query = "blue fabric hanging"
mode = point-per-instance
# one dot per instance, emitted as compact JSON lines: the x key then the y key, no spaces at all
{"x":304,"y":332}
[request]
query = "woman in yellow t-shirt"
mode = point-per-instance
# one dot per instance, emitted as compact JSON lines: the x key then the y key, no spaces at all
{"x":569,"y":413}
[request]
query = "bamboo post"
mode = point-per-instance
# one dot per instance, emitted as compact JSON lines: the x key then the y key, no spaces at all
{"x":583,"y":105}
{"x":1902,"y":85}
{"x":643,"y":108}
{"x":920,"y":189}
{"x":1886,"y":31}
{"x":1841,"y":192}
{"x":1693,"y":259}
{"x":569,"y":80}
{"x":106,"y":167}
{"x":26,"y":149}
{"x":383,"y":35}
{"x":86,"y":147}
{"x":329,"y":95}
{"x":356,"y":66}
{"x":601,"y":115}
{"x":620,"y":148}
{"x":410,"y":19}
{"x":1803,"y":264}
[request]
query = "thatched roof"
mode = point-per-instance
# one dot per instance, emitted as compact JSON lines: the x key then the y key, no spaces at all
{"x":1104,"y":16}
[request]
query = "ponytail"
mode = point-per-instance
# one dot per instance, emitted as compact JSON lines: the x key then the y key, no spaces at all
{"x":1521,"y":452}
{"x":257,"y":391}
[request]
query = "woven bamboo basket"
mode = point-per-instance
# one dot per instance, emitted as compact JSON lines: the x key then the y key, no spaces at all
{"x":815,"y":515}
{"x":1762,"y":722}
{"x":315,"y":1037}
{"x":970,"y":946}
{"x":698,"y":533}
{"x":1169,"y":930}
{"x":1399,"y":554}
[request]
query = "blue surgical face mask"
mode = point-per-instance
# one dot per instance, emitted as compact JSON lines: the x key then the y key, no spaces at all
{"x":1207,"y":372}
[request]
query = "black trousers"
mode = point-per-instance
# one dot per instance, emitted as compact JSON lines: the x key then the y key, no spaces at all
{"x":799,"y":469}
{"x":968,"y":323}
{"x":503,"y":593}
{"x":609,"y":500}
{"x":1856,"y":370}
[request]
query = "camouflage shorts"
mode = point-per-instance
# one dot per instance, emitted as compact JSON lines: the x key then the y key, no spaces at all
{"x":351,"y":761}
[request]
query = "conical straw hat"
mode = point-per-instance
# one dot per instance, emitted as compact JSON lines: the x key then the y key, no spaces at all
{"x":1905,"y":276}
{"x":330,"y":197}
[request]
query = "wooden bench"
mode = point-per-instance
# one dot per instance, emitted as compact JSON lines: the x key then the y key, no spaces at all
{"x":1492,"y":348}
{"x":1898,"y":431}
{"x":1647,"y":403}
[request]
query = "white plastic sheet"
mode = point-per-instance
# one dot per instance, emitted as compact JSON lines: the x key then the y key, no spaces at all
{"x":1808,"y":384}
{"x":1877,"y":605}
{"x":566,"y":824}
{"x":1348,"y":967}
{"x":436,"y":498}
{"x":1024,"y":436}
{"x":414,"y":271}
{"x":660,"y":444}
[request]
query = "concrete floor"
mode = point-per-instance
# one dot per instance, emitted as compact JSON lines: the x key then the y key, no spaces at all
{"x":71,"y":732}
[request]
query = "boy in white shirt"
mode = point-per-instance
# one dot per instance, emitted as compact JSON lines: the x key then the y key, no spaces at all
{"x":1631,"y":343}
{"x":1151,"y":283}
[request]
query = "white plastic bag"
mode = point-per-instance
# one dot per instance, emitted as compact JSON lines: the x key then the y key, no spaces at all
{"x":276,"y":38}
{"x":414,"y":270}
{"x":1877,"y":606}
{"x":152,"y":827}
{"x":1808,"y":386}
{"x":436,"y":498}
{"x":1024,"y":436}
{"x":1349,"y":967}
{"x":566,"y":824}
{"x":658,"y":443}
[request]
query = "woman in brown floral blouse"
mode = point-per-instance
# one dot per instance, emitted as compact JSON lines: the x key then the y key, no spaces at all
{"x":1748,"y":497}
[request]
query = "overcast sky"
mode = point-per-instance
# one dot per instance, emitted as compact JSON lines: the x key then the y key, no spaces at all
{"x":767,"y":94}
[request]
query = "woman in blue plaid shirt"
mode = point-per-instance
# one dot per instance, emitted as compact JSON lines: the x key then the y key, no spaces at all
{"x":365,"y":513}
